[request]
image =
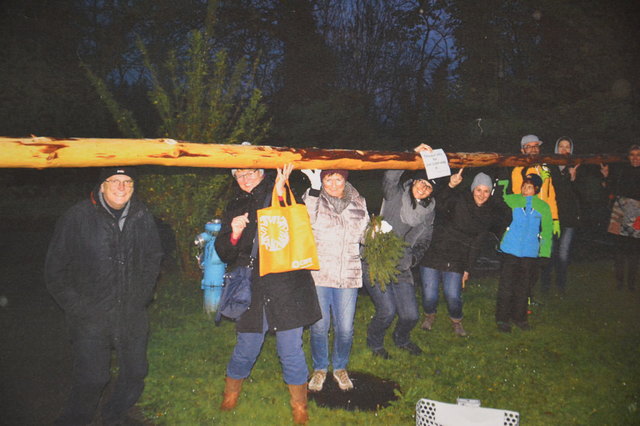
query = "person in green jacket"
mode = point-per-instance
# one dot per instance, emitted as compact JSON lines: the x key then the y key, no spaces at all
{"x":527,"y":238}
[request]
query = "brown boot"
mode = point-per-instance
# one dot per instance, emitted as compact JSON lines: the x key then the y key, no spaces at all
{"x":232,"y":389}
{"x":429,"y":319}
{"x":299,"y":403}
{"x":457,"y":327}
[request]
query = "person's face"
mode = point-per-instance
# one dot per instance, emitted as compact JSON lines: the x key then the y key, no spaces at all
{"x":528,"y":189}
{"x":117,"y":191}
{"x":634,"y":157}
{"x":421,"y":189}
{"x":334,"y":185}
{"x":481,"y":194}
{"x":564,"y":147}
{"x":532,"y":148}
{"x":248,"y":178}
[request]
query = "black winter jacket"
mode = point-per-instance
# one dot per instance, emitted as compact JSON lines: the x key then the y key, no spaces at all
{"x":102,"y":277}
{"x":289,"y":299}
{"x":567,"y":197}
{"x":459,"y":226}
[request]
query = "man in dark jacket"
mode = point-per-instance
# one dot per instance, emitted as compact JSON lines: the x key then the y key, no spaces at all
{"x":101,"y":268}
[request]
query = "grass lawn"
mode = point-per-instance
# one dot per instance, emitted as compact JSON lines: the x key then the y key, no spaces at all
{"x":579,"y":365}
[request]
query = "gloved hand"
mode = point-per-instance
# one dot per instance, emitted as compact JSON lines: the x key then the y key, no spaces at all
{"x":556,"y":228}
{"x":545,"y":173}
{"x":385,"y":226}
{"x":314,"y":178}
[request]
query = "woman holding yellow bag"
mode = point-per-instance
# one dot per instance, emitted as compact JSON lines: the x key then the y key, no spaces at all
{"x":280,"y":302}
{"x":339,"y":218}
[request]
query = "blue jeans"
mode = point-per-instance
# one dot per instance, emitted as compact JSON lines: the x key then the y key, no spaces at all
{"x":289,"y":345}
{"x":559,"y":260}
{"x":338,"y":304}
{"x":452,"y":286}
{"x":399,"y":298}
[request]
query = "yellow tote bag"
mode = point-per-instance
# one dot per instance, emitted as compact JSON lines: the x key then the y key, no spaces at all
{"x":285,"y":237}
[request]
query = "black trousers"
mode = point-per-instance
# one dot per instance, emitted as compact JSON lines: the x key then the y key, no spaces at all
{"x":626,"y":257}
{"x":513,"y":288}
{"x":91,"y":373}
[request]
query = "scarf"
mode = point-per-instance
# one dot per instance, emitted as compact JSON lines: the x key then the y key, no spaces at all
{"x":341,"y":203}
{"x":410,"y":215}
{"x":119,"y":215}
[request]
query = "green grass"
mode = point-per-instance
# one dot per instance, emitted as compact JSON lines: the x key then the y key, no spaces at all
{"x":578,"y":366}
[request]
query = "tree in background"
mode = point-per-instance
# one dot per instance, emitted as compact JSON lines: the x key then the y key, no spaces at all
{"x":44,"y":91}
{"x":549,"y":68}
{"x":199,"y":97}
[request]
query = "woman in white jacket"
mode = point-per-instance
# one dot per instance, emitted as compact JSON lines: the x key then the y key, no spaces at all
{"x":339,"y":218}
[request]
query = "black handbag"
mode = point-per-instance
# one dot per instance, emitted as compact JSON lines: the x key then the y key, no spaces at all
{"x":236,"y":293}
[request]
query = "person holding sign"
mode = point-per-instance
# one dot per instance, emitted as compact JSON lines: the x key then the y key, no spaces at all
{"x":462,"y":219}
{"x":339,"y":218}
{"x":280,"y":302}
{"x":409,"y":208}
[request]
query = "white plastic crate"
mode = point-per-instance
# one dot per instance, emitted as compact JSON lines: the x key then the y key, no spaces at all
{"x":435,"y":413}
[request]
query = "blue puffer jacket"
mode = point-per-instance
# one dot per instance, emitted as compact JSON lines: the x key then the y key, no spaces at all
{"x":529,"y":234}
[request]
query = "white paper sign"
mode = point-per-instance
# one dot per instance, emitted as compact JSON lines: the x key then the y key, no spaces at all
{"x":435,"y":163}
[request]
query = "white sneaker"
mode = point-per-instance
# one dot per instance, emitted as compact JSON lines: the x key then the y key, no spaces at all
{"x":317,"y":380}
{"x":342,"y":378}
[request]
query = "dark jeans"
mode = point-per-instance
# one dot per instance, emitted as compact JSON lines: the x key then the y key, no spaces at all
{"x":398,"y":298}
{"x":91,"y":373}
{"x":513,"y":288}
{"x":559,"y":261}
{"x":626,"y":256}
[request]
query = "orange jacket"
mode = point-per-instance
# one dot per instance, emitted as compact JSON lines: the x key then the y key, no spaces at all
{"x":547,"y":192}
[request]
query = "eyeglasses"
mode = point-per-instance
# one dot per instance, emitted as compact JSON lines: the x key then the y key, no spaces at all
{"x":422,"y":184}
{"x":114,"y":183}
{"x":246,"y":175}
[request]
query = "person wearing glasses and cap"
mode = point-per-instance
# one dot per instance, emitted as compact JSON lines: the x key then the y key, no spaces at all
{"x":101,"y":268}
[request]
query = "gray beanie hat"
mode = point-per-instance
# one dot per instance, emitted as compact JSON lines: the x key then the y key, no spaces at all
{"x":481,"y":179}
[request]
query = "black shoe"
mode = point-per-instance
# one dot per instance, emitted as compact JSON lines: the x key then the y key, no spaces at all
{"x":412,"y":348}
{"x":382,"y":353}
{"x":504,"y":327}
{"x":523,"y":325}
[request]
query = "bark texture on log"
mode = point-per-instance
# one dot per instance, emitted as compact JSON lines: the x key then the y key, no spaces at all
{"x":44,"y":152}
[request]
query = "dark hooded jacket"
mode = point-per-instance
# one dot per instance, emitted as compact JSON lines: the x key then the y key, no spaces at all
{"x":288,"y":299}
{"x":101,"y":276}
{"x":459,"y":228}
{"x":567,"y":197}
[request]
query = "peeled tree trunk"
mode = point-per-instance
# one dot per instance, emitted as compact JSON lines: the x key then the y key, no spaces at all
{"x":45,"y":152}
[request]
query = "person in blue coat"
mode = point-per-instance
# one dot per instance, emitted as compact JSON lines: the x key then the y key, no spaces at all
{"x":527,"y":238}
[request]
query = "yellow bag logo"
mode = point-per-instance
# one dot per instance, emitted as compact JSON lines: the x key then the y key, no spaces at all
{"x":274,"y":232}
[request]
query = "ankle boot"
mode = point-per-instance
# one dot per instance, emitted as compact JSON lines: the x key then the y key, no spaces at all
{"x":299,"y":403}
{"x":427,"y":324}
{"x":232,"y":389}
{"x":457,"y":327}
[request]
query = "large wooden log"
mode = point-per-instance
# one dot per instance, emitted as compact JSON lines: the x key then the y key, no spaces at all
{"x":44,"y":152}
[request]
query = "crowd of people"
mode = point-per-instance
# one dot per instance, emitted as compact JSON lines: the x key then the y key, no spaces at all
{"x":104,"y":259}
